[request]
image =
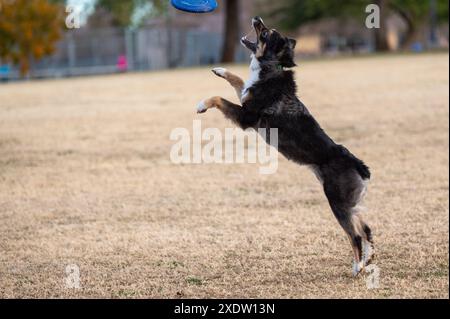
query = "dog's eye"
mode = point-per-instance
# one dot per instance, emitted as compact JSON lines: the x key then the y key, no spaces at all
{"x":264,"y":34}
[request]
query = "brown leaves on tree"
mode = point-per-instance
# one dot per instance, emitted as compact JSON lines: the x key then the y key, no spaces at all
{"x":29,"y":31}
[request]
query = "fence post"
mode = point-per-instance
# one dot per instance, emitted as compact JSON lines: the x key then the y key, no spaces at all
{"x":71,"y":53}
{"x":129,"y":48}
{"x":433,"y":37}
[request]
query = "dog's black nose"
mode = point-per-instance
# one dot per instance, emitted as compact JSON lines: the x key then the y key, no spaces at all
{"x":257,"y":20}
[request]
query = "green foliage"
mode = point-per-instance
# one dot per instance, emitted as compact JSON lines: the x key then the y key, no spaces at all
{"x":291,"y":14}
{"x":420,"y":9}
{"x":413,"y":11}
{"x":442,"y":11}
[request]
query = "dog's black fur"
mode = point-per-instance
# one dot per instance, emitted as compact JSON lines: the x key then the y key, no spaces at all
{"x":272,"y":103}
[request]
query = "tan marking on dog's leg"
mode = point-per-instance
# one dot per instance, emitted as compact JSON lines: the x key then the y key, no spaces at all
{"x":358,"y":264}
{"x":367,"y":252}
{"x":235,"y":81}
{"x":214,"y":102}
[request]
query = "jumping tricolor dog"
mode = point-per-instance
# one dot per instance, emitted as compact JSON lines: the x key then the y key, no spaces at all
{"x":269,"y":100}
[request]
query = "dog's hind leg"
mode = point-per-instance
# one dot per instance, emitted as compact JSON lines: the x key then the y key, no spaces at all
{"x":344,"y":192}
{"x":350,"y":226}
{"x":368,"y":253}
{"x":236,"y":82}
{"x":368,"y":245}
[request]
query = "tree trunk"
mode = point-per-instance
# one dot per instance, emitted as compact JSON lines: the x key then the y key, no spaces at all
{"x":411,"y":32}
{"x":410,"y":38}
{"x":231,"y":30}
{"x":381,"y":34}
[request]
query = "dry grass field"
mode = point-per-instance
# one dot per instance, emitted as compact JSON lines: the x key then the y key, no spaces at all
{"x":86,"y":179}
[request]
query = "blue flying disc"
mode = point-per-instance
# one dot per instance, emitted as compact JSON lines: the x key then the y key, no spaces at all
{"x":195,"y":6}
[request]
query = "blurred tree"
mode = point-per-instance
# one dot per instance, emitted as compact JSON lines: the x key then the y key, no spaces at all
{"x":29,"y":30}
{"x":414,"y":13}
{"x":291,"y":14}
{"x":231,"y":33}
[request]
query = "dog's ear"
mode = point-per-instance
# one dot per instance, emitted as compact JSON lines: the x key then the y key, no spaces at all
{"x":292,"y":43}
{"x":286,"y":57}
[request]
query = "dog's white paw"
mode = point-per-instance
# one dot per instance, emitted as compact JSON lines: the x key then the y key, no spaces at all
{"x":201,"y":107}
{"x":357,"y":268}
{"x":220,"y":72}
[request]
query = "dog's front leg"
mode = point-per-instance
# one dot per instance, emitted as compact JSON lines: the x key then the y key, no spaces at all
{"x":236,"y":82}
{"x":231,"y":111}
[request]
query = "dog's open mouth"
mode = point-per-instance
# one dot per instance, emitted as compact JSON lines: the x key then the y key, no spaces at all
{"x":252,"y":46}
{"x":257,"y":27}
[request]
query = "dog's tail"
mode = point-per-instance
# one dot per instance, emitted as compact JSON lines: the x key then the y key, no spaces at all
{"x":361,"y":168}
{"x":357,"y":164}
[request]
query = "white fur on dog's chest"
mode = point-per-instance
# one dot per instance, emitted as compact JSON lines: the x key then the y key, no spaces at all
{"x":255,"y":69}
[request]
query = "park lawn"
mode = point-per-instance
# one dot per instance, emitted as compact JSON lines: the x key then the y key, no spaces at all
{"x":86,"y":179}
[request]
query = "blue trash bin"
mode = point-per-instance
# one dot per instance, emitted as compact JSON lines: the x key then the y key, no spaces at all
{"x":5,"y":70}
